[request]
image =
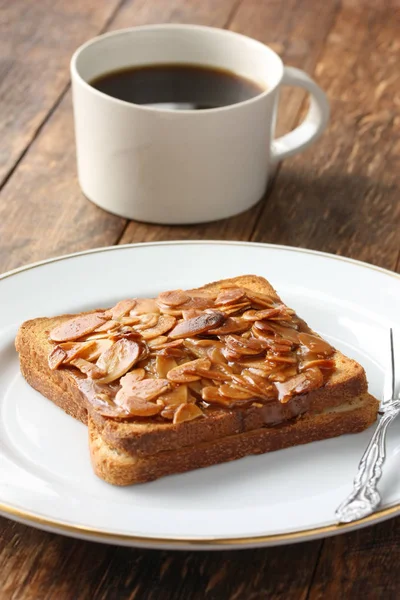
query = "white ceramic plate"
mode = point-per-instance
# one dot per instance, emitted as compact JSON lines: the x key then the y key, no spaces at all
{"x":45,"y":475}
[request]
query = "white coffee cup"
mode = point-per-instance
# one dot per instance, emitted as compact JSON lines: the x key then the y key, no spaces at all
{"x":170,"y":167}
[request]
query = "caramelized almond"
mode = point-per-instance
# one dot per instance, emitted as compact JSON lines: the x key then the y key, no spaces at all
{"x":235,"y":392}
{"x":191,"y":313}
{"x":230,"y":296}
{"x":146,"y":321}
{"x":88,"y":368}
{"x":118,"y":359}
{"x":157,"y":342}
{"x":241,"y":345}
{"x":108,"y":326}
{"x":178,"y":395}
{"x":168,"y":412}
{"x":210,"y":394}
{"x":260,"y":299}
{"x":315,"y":344}
{"x":187,"y":372}
{"x":56,"y":357}
{"x":215,"y":355}
{"x":137,"y":398}
{"x":321,"y":363}
{"x":197,"y":325}
{"x":77,"y":327}
{"x":164,"y":364}
{"x":212,"y":374}
{"x":173,"y":298}
{"x":231,"y":325}
{"x":303,"y":383}
{"x":132,"y":377}
{"x":231,"y":309}
{"x":144,"y":306}
{"x":187,"y":412}
{"x":163,"y":324}
{"x":122,"y":308}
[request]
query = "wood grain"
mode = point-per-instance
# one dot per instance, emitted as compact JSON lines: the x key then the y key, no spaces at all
{"x":342,"y":196}
{"x":36,"y":43}
{"x":363,"y":564}
{"x":41,"y":565}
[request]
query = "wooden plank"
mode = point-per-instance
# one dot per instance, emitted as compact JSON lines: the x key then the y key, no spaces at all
{"x":291,"y":33}
{"x":363,"y":564}
{"x":42,"y":211}
{"x":36,"y":42}
{"x":342,"y":196}
{"x":41,"y":565}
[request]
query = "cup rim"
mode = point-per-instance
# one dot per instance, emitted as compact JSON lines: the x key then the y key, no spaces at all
{"x":75,"y":75}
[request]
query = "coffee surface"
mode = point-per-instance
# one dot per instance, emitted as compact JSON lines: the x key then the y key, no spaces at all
{"x":177,"y":86}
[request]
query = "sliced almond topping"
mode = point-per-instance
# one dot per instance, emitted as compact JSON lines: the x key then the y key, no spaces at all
{"x":288,"y":333}
{"x":235,"y":392}
{"x":137,"y":399}
{"x":268,"y":313}
{"x":118,"y":359}
{"x":187,"y":372}
{"x":146,"y":321}
{"x":315,"y":344}
{"x":108,"y":326}
{"x":231,"y":325}
{"x":173,"y":351}
{"x":241,"y":345}
{"x":187,"y":412}
{"x":132,"y":377}
{"x":210,"y":394}
{"x":198,"y":302}
{"x":191,"y":313}
{"x":197,"y":325}
{"x":88,"y":368}
{"x":144,"y":306}
{"x":168,"y":412}
{"x":212,"y":374}
{"x":262,"y":387}
{"x":173,"y":298}
{"x":157,"y":342}
{"x":89,"y":350}
{"x":230,"y":296}
{"x":164,"y":364}
{"x":231,"y":309}
{"x":321,"y":363}
{"x":145,"y":389}
{"x":282,"y":358}
{"x":216,"y":356}
{"x":300,"y":384}
{"x":56,"y":357}
{"x":164,"y":324}
{"x":77,"y":327}
{"x":260,"y":299}
{"x":178,"y":395}
{"x":121,"y":309}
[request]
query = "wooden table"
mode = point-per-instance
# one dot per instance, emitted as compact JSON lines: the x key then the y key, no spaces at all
{"x":341,"y":196}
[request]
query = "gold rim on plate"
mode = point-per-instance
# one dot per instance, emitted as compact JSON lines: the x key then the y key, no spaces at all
{"x":30,"y":518}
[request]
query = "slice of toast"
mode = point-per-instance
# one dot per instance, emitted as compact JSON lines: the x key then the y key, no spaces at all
{"x":133,"y":450}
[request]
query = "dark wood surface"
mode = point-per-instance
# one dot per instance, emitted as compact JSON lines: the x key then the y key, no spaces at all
{"x":341,"y":196}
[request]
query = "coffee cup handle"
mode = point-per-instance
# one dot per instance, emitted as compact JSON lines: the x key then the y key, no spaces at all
{"x":314,"y":122}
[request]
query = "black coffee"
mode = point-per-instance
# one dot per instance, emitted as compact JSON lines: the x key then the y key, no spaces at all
{"x":177,"y":86}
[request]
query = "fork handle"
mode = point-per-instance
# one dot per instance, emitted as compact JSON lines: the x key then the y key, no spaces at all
{"x":365,"y":498}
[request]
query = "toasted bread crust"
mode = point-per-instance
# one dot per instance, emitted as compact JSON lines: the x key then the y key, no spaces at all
{"x":120,"y":468}
{"x":147,"y":439}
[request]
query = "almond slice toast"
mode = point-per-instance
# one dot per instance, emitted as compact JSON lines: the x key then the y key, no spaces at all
{"x":194,"y":378}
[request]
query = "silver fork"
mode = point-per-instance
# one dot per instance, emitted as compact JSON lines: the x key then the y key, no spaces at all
{"x":364,"y":498}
